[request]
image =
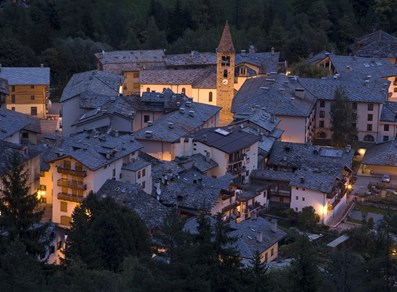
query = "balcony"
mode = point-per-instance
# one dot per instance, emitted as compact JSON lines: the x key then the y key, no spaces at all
{"x":235,"y":159}
{"x":70,"y":197}
{"x":64,"y":170}
{"x":73,"y":184}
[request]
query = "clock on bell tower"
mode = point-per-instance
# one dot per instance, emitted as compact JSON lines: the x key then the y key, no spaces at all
{"x":225,"y":56}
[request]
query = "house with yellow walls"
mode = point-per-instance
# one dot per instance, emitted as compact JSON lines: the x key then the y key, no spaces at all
{"x":28,"y":89}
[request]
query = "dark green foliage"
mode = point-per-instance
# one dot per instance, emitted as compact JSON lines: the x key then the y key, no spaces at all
{"x":295,"y":28}
{"x":20,"y":219}
{"x":308,"y":219}
{"x":104,"y":233}
{"x":343,"y":120}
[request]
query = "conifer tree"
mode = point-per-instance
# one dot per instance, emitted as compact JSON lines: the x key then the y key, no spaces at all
{"x":20,"y":219}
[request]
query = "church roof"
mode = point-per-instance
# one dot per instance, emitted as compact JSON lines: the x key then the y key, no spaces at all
{"x":226,"y":42}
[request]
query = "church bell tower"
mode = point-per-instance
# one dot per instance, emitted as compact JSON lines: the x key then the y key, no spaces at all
{"x":225,"y":56}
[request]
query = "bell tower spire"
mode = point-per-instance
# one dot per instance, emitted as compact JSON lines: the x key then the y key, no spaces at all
{"x":225,"y":56}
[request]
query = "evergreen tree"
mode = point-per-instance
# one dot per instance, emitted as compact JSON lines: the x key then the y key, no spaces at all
{"x":304,"y":273}
{"x":103,"y":233}
{"x":20,"y":219}
{"x":343,"y":120}
{"x":259,"y":274}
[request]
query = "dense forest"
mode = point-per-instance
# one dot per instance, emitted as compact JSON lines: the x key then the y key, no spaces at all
{"x":65,"y":34}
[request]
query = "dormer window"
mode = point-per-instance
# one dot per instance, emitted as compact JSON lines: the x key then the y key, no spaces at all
{"x":225,"y":61}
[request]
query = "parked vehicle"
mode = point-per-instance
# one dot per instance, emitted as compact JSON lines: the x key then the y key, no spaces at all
{"x":386,"y":178}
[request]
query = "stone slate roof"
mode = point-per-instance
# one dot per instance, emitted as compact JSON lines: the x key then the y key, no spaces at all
{"x":362,"y":66}
{"x":164,"y":101}
{"x":274,"y":94}
{"x":320,"y":182}
{"x":7,"y":149}
{"x":197,"y":161}
{"x":246,"y":234}
{"x":151,"y":212}
{"x":26,"y":75}
{"x":193,"y":59}
{"x":12,"y":122}
{"x":92,"y":84}
{"x":384,"y":154}
{"x":389,"y":112}
{"x":357,"y":90}
{"x":377,"y":44}
{"x":266,"y":61}
{"x":136,"y":164}
{"x":268,"y":174}
{"x":119,"y":57}
{"x":116,"y":106}
{"x":260,"y":118}
{"x":194,"y":116}
{"x":226,"y":42}
{"x":91,"y":149}
{"x":173,"y":77}
{"x":310,"y":157}
{"x":189,"y":192}
{"x":233,"y":141}
{"x":208,"y":80}
{"x":3,"y":86}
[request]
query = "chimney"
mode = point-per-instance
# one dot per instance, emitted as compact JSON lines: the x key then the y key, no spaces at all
{"x":302,"y":180}
{"x":204,"y":138}
{"x":259,"y":236}
{"x":1,"y":67}
{"x":243,"y":52}
{"x":272,"y":49}
{"x":41,"y":65}
{"x":116,"y":133}
{"x":273,"y":227}
{"x":148,"y":134}
{"x":149,"y":123}
{"x":191,"y":113}
{"x":170,"y":125}
{"x":300,"y":93}
{"x":108,"y":155}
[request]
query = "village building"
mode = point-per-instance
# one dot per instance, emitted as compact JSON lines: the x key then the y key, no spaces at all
{"x":285,"y":99}
{"x":377,"y":44}
{"x":234,"y":151}
{"x":380,"y":159}
{"x":81,"y":164}
{"x":28,"y":88}
{"x":252,"y":236}
{"x":301,"y":175}
{"x":162,"y":135}
{"x":3,"y":92}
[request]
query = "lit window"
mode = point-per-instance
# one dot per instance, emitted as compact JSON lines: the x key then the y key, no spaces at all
{"x":64,"y":206}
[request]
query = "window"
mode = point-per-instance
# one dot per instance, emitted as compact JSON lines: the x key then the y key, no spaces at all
{"x":385,"y":138}
{"x":67,"y":164}
{"x":243,"y":71}
{"x":114,"y":173}
{"x":225,"y":73}
{"x":322,"y":103}
{"x":120,"y":176}
{"x":143,"y":185}
{"x":355,"y":116}
{"x":386,"y":128}
{"x":272,"y":252}
{"x":369,"y":138}
{"x":32,"y":97}
{"x":13,"y":98}
{"x":64,"y":206}
{"x":146,"y":118}
{"x":43,"y":188}
{"x":13,"y":108}
{"x":354,"y":125}
{"x":42,"y":173}
{"x":148,"y":89}
{"x":369,"y":127}
{"x":78,"y":166}
{"x":370,"y":117}
{"x":143,"y":172}
{"x":354,"y":105}
{"x":297,"y":198}
{"x":65,"y":220}
{"x":33,"y":111}
{"x":210,"y":96}
{"x":322,"y":114}
{"x":125,"y":86}
{"x":135,"y":75}
{"x":225,"y":61}
{"x":370,"y":107}
{"x":303,"y":198}
{"x":25,"y":135}
{"x":32,"y":86}
{"x":13,"y":88}
{"x":139,"y":174}
{"x":296,"y":209}
{"x":266,"y":257}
